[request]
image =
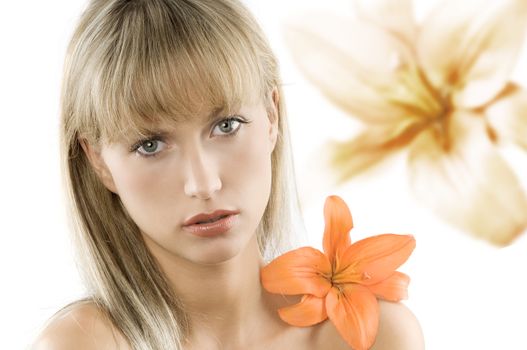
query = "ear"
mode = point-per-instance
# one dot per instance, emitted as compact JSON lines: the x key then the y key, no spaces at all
{"x":273,"y":118}
{"x":93,"y":153}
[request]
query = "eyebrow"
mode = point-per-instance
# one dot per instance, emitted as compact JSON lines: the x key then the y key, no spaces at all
{"x":215,"y":112}
{"x":212,"y":116}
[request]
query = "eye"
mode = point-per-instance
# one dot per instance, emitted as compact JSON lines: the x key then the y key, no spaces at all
{"x":226,"y":125}
{"x":149,"y":146}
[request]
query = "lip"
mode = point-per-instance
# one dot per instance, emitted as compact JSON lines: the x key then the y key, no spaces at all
{"x":213,"y":228}
{"x":205,"y":216}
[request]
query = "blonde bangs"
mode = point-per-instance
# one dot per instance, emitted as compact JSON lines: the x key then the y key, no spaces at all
{"x":156,"y":69}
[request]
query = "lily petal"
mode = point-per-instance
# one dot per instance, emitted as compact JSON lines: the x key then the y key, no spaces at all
{"x":338,"y":223}
{"x":356,"y":64}
{"x":373,"y":259}
{"x":355,"y":313}
{"x":508,"y":116}
{"x":394,"y":15}
{"x":309,"y":311}
{"x":466,"y":181}
{"x":394,"y":288}
{"x":301,"y":271}
{"x":376,"y":143}
{"x":471,"y":46}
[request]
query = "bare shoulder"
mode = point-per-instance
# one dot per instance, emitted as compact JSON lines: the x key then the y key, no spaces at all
{"x":398,"y":329}
{"x":81,"y":326}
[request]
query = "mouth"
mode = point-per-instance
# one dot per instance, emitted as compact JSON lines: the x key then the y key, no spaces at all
{"x":207,"y":218}
{"x":211,"y":220}
{"x":214,"y":226}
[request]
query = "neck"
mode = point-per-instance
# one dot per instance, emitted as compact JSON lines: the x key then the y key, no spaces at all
{"x":224,"y":301}
{"x":228,"y":291}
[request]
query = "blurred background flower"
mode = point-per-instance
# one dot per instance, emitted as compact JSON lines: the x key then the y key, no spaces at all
{"x":439,"y":90}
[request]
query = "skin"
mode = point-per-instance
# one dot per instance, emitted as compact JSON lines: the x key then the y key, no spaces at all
{"x":199,"y":170}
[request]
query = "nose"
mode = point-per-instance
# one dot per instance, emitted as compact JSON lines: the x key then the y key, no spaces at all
{"x":201,"y":175}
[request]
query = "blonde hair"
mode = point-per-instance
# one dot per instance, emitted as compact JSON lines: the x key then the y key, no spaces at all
{"x":133,"y":63}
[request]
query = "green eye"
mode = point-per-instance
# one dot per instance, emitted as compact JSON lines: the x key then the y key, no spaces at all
{"x":149,"y":146}
{"x":226,"y":125}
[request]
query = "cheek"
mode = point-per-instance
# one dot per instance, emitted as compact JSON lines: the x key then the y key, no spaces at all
{"x":249,"y":174}
{"x":252,"y":161}
{"x":144,"y":194}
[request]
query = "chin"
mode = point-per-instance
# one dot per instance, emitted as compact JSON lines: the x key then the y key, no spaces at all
{"x":222,"y":250}
{"x":218,"y":256}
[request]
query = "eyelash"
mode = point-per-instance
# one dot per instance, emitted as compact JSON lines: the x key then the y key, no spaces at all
{"x":140,"y":143}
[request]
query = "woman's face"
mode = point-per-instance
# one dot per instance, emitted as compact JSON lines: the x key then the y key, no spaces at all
{"x":198,"y":167}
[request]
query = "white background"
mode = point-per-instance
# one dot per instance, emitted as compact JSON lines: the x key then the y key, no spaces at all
{"x":466,"y":293}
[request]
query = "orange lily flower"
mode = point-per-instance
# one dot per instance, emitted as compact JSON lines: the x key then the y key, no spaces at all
{"x":440,"y":90}
{"x":342,"y":283}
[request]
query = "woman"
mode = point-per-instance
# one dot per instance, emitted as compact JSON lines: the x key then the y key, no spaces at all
{"x":176,"y":161}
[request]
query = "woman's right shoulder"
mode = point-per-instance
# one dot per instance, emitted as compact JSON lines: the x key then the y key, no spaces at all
{"x":80,"y":325}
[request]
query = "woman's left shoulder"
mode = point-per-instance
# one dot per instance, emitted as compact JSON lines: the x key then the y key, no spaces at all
{"x":398,"y":329}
